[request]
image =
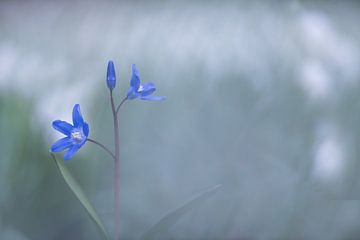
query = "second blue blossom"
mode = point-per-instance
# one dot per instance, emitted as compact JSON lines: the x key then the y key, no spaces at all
{"x":141,"y":91}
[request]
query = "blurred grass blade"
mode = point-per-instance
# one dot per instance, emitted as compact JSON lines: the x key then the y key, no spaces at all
{"x":159,"y":229}
{"x":79,"y":193}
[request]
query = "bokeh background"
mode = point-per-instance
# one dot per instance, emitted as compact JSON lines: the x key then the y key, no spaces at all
{"x":262,"y":97}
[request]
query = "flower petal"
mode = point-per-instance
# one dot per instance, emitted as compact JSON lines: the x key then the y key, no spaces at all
{"x":86,"y":129}
{"x":135,"y":78}
{"x":62,"y":126}
{"x":132,"y":94}
{"x":153,"y":98}
{"x":78,"y":120}
{"x":61,"y":144}
{"x":71,"y":152}
{"x":147,"y":89}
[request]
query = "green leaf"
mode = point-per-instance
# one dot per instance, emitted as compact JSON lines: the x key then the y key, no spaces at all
{"x":79,"y":193}
{"x":159,"y":229}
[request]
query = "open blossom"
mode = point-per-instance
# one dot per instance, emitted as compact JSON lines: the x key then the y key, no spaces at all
{"x":141,"y":91}
{"x":76,"y":134}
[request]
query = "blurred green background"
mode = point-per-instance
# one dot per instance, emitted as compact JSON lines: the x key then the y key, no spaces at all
{"x":262,"y":97}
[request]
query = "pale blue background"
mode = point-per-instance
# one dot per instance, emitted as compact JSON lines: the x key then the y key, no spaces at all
{"x":262,"y":98}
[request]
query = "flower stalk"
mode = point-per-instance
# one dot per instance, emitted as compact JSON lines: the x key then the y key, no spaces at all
{"x":76,"y":134}
{"x":121,"y":103}
{"x":116,"y":169}
{"x":101,"y":146}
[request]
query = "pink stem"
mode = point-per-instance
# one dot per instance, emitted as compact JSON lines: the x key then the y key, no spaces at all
{"x":117,"y":170}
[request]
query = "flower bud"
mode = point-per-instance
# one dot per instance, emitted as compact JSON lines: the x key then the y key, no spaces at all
{"x":110,"y":77}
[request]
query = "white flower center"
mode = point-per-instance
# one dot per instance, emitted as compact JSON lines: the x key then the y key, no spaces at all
{"x":141,"y":87}
{"x":77,"y":135}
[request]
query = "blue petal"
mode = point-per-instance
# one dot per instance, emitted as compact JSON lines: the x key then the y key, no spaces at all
{"x":147,"y":89}
{"x":71,"y":152}
{"x":153,"y":98}
{"x":61,"y":144}
{"x":62,"y":126}
{"x":111,"y":77}
{"x":132,"y":94}
{"x":135,"y":78}
{"x":78,"y":120}
{"x":86,"y":129}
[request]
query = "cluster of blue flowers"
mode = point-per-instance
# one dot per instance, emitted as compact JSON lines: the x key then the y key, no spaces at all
{"x":78,"y":132}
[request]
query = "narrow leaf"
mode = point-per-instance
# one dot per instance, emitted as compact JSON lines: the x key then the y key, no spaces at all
{"x":79,"y":193}
{"x":165,"y":223}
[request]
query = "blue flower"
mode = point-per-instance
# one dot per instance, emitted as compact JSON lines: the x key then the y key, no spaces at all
{"x":110,"y":76}
{"x":76,"y":134}
{"x":141,"y":91}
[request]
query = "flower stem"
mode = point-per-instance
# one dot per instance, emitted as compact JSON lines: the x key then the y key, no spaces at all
{"x":102,"y":146}
{"x":121,"y":103}
{"x":116,"y":169}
